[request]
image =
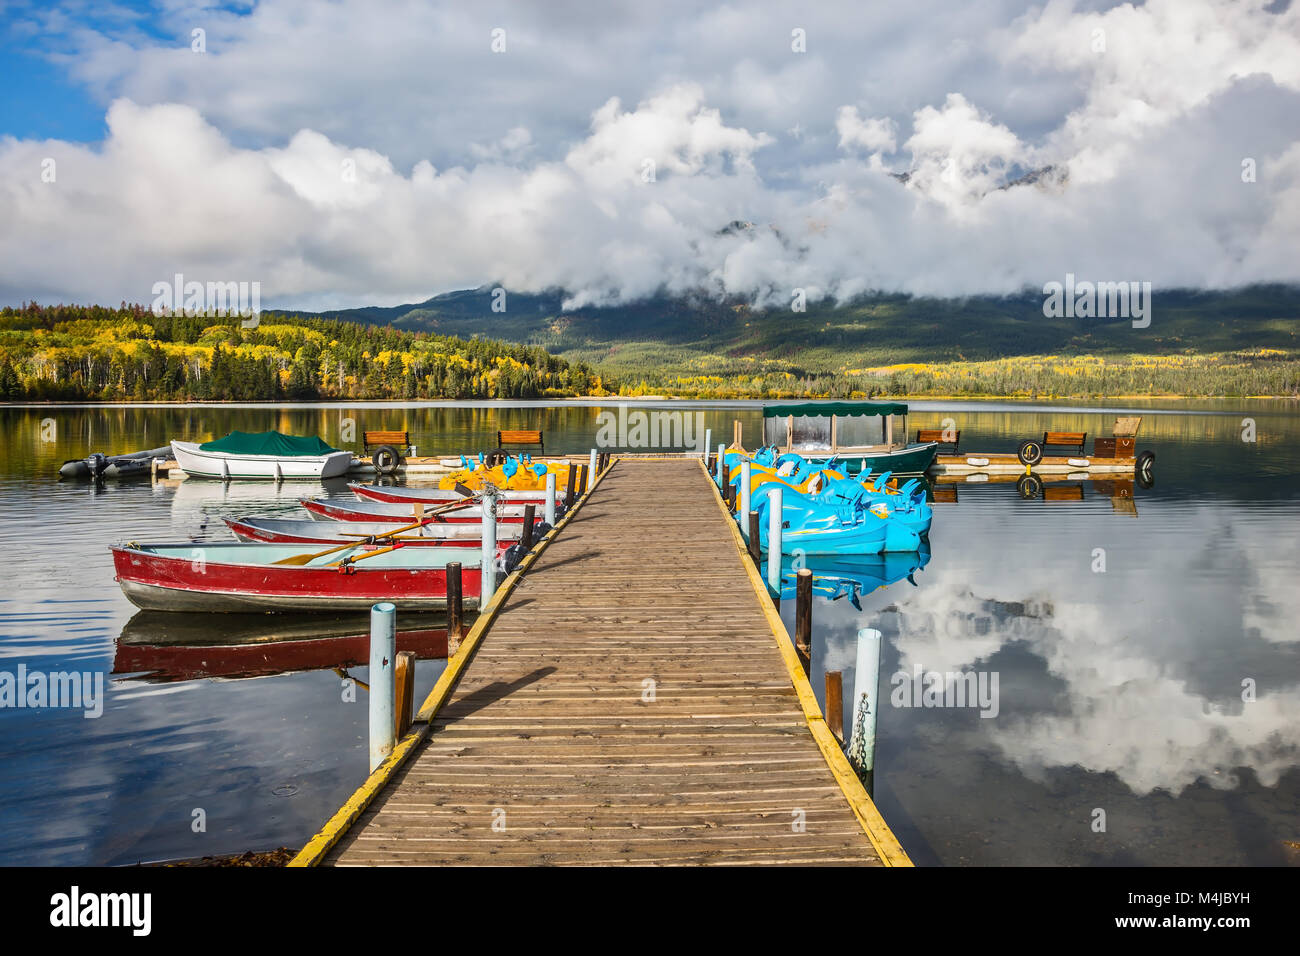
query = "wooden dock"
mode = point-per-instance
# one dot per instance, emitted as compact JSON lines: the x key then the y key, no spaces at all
{"x":632,"y":699}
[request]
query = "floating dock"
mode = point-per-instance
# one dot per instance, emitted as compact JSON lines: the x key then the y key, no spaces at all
{"x":1010,"y":464}
{"x":629,"y":696}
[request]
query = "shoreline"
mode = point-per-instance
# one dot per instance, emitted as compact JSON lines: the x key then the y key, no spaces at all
{"x":646,"y":399}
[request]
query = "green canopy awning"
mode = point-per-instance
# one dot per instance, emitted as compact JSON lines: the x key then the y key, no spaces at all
{"x":843,"y":409}
{"x":269,"y":443}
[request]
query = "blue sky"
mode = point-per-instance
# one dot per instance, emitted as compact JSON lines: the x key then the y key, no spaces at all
{"x":40,"y":95}
{"x":37,"y":99}
{"x":379,"y":151}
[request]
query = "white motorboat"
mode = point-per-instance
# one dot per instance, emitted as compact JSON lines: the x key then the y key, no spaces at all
{"x":261,"y":456}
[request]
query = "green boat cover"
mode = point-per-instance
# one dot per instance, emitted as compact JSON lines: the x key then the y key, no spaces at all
{"x":843,"y":409}
{"x":269,"y":443}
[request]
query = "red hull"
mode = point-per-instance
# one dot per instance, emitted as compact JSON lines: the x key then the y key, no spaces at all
{"x":438,"y":496}
{"x":342,"y":512}
{"x":247,"y":532}
{"x":170,"y":583}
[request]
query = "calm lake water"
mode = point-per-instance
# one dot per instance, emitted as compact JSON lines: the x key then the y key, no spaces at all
{"x":1119,"y":690}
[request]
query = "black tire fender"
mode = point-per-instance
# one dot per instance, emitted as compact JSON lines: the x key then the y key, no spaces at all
{"x":386,"y":460}
{"x":1030,"y":452}
{"x":1142,"y":469}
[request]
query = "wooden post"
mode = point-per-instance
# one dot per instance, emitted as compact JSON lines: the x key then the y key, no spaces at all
{"x":405,"y":692}
{"x":755,"y":550}
{"x":735,"y":434}
{"x":526,"y":538}
{"x":383,"y":644}
{"x":835,"y":704}
{"x":582,"y":479}
{"x":568,"y":491}
{"x":803,"y":618}
{"x":455,"y":609}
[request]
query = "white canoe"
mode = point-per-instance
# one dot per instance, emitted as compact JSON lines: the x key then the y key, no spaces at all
{"x":232,"y":467}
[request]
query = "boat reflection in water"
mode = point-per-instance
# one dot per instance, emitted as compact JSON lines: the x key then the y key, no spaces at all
{"x":157,"y":647}
{"x":839,"y":576}
{"x":1048,"y":488}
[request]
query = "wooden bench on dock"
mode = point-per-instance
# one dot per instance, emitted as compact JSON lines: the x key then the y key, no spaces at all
{"x":946,"y":447}
{"x":400,"y":440}
{"x":521,"y":437}
{"x":390,"y":447}
{"x":1074,"y":440}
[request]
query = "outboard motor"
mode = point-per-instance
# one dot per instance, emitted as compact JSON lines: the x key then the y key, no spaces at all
{"x":510,"y":560}
{"x":98,"y":464}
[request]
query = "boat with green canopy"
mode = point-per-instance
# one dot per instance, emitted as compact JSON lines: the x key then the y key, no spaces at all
{"x":858,"y":435}
{"x":268,"y":455}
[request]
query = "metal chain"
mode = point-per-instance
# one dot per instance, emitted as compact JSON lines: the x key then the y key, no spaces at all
{"x":857,"y":749}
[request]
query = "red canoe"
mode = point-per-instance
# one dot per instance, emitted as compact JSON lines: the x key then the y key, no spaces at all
{"x":439,"y":496}
{"x":343,"y":509}
{"x":325,"y":533}
{"x":233,"y":576}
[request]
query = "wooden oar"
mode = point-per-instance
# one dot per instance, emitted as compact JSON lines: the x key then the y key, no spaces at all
{"x":301,"y":559}
{"x":361,"y":557}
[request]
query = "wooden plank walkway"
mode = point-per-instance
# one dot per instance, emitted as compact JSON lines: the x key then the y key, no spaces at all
{"x":629,"y":704}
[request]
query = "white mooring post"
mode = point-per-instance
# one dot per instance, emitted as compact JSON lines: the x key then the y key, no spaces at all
{"x":743,"y":515}
{"x":722,"y":468}
{"x":775,"y":518}
{"x":708,"y":443}
{"x":383,"y":681}
{"x":866,"y":701}
{"x":548,"y":510}
{"x":591,"y":471}
{"x":488,"y":561}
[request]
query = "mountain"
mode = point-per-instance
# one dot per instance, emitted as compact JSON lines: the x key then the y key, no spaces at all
{"x":675,"y":335}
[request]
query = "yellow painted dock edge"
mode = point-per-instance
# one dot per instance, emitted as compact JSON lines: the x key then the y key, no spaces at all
{"x":346,"y":815}
{"x":889,"y":850}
